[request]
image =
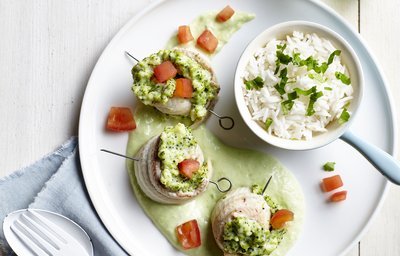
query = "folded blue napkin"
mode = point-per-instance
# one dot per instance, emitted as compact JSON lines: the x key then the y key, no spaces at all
{"x":55,"y":183}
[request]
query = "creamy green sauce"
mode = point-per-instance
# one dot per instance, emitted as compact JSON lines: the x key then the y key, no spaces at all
{"x":222,"y":30}
{"x":177,"y":144}
{"x":243,"y":167}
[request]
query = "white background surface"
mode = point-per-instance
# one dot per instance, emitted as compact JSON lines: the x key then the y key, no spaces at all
{"x":47,"y":52}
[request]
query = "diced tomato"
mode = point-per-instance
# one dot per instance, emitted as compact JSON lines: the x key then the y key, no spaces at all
{"x":225,"y":14}
{"x":207,"y":41}
{"x":120,"y":119}
{"x":338,"y":196}
{"x":183,"y":88}
{"x":188,"y":234}
{"x":188,"y":167}
{"x":331,"y":183}
{"x":280,"y":217}
{"x":184,"y":34}
{"x":165,"y":71}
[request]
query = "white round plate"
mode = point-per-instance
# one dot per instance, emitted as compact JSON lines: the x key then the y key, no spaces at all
{"x":329,"y":229}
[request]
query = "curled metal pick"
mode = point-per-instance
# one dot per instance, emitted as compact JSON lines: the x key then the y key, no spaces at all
{"x":219,"y":188}
{"x":117,"y":154}
{"x":131,"y":56}
{"x":266,"y":185}
{"x":231,"y":123}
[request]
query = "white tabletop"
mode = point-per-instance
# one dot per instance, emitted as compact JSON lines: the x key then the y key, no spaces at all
{"x":48,"y":50}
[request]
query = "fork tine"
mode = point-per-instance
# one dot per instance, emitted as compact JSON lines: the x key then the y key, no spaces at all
{"x":58,"y":231}
{"x":42,"y":230}
{"x":30,"y":239}
{"x":62,"y":235}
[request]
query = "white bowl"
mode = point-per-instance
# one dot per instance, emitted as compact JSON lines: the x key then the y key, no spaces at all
{"x":349,"y":59}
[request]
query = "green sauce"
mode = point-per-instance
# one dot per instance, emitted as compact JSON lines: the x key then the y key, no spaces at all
{"x":222,"y":30}
{"x":243,"y":167}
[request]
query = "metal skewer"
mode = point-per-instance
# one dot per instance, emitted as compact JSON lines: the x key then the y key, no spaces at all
{"x":130,"y":55}
{"x":212,"y":182}
{"x":266,"y":185}
{"x":117,"y":154}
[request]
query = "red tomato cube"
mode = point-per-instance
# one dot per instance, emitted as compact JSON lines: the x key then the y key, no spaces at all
{"x":183,"y":88}
{"x":207,"y":41}
{"x":188,"y":234}
{"x":225,"y":14}
{"x":165,"y":71}
{"x":331,"y":183}
{"x":280,"y":217}
{"x":184,"y":34}
{"x":338,"y":196}
{"x":120,"y":119}
{"x":188,"y":167}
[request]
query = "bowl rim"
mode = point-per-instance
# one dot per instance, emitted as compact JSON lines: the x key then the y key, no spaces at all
{"x":260,"y":40}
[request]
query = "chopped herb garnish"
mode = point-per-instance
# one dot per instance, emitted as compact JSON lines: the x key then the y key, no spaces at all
{"x":306,"y":92}
{"x":268,"y":123}
{"x":277,"y":69}
{"x":280,"y":87}
{"x":312,"y":64}
{"x":329,"y":166}
{"x":281,"y":47}
{"x":309,"y":62}
{"x":332,"y":56}
{"x":318,"y":77}
{"x":324,"y":67}
{"x":287,"y":106}
{"x":283,"y":58}
{"x":344,"y":116}
{"x":292,"y":95}
{"x":283,"y":73}
{"x":257,"y":83}
{"x":313,"y":99}
{"x":342,"y":77}
{"x":296,"y":59}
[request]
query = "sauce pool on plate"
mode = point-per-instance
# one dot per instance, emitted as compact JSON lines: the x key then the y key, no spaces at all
{"x":242,"y":166}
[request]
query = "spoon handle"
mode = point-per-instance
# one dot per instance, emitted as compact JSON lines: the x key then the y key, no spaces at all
{"x":382,"y":161}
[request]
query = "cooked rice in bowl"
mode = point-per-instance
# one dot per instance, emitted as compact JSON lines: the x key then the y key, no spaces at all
{"x":295,"y":87}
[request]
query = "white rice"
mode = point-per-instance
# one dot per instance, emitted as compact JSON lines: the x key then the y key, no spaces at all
{"x":265,"y":103}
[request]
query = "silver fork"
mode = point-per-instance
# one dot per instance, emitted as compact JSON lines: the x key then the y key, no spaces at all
{"x":43,"y":237}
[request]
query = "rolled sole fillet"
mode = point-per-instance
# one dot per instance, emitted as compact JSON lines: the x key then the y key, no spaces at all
{"x":148,"y":173}
{"x":240,"y":202}
{"x":179,"y":106}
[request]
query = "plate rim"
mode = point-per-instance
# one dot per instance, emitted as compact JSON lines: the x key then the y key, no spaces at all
{"x":152,"y":5}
